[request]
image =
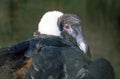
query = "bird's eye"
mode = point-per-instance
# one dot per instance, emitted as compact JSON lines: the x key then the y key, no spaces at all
{"x":67,"y":26}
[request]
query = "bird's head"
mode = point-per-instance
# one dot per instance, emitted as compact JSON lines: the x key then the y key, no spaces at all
{"x":71,"y":28}
{"x":65,"y":25}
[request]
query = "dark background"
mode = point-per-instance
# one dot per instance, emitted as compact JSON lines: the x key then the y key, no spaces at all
{"x":100,"y":18}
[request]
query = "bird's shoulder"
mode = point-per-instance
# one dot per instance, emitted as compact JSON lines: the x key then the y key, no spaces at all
{"x":46,"y":42}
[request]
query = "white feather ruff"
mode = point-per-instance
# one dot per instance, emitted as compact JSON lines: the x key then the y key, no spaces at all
{"x":48,"y":23}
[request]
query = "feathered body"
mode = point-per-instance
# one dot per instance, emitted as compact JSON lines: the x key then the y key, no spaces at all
{"x":58,"y":52}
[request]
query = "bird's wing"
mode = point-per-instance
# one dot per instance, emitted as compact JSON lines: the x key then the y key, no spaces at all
{"x":48,"y":62}
{"x":10,"y":64}
{"x":56,"y":62}
{"x":37,"y":43}
{"x":101,"y":69}
{"x":28,"y":46}
{"x":23,"y":46}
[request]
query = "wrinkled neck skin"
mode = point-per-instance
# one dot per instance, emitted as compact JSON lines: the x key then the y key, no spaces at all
{"x":69,"y":38}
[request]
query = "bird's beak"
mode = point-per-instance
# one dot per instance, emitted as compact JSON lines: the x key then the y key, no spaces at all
{"x":81,"y":43}
{"x":76,"y":37}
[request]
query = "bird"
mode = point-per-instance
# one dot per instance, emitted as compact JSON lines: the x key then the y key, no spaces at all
{"x":58,"y":51}
{"x":61,"y":41}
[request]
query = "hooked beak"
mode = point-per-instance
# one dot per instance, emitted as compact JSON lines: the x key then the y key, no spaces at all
{"x":82,"y":44}
{"x":76,"y":37}
{"x":71,"y":25}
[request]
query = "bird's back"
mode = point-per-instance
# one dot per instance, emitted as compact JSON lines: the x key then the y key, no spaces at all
{"x":56,"y":62}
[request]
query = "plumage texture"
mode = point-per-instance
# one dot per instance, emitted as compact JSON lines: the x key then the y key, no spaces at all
{"x":56,"y":61}
{"x":46,"y":40}
{"x":52,"y":61}
{"x":51,"y":56}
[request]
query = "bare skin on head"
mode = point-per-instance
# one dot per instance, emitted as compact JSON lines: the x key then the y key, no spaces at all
{"x":71,"y":27}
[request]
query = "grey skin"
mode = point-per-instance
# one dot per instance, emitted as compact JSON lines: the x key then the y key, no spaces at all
{"x":71,"y":29}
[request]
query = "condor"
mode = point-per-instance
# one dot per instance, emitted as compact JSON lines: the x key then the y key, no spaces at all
{"x":59,"y":51}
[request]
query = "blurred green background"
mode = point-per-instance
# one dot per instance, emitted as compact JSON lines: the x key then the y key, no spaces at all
{"x":100,"y":18}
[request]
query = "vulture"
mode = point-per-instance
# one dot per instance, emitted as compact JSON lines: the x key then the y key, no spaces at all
{"x":58,"y":50}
